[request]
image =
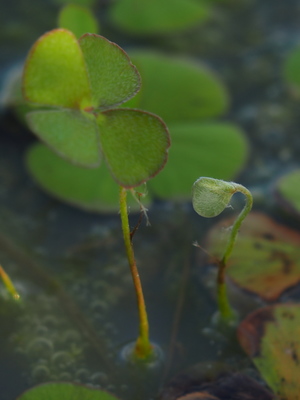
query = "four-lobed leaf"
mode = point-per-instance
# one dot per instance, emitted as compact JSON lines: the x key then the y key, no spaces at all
{"x":95,"y":75}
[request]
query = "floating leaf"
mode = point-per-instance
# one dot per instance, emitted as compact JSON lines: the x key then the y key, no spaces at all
{"x":288,"y":191}
{"x":65,"y":391}
{"x":213,"y":381}
{"x":54,"y":63}
{"x":78,"y":20}
{"x":134,"y":144}
{"x":89,"y":189}
{"x":85,"y":3}
{"x":265,"y":259}
{"x":113,"y":78}
{"x":156,"y":16}
{"x":270,"y":336}
{"x":210,"y":149}
{"x":292,"y":67}
{"x":70,"y":133}
{"x":178,"y":90}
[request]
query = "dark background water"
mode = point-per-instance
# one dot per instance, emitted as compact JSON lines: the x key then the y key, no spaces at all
{"x":58,"y":331}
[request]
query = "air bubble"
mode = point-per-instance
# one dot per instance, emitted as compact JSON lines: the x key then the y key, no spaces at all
{"x":41,"y":373}
{"x":40,"y":347}
{"x":61,"y":359}
{"x":99,"y":378}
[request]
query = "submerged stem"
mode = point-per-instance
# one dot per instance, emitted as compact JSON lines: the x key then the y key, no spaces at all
{"x":224,"y":307}
{"x":143,"y":348}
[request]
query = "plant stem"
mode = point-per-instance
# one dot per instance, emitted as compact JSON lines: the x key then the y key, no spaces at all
{"x":143,"y":348}
{"x":225,"y":309}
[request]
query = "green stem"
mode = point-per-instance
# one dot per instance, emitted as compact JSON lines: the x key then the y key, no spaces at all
{"x":143,"y":348}
{"x":226,"y":311}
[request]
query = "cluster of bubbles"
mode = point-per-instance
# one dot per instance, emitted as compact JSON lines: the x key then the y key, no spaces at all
{"x":54,"y":348}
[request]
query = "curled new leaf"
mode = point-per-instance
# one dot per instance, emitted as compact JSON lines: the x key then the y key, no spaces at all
{"x":211,"y":196}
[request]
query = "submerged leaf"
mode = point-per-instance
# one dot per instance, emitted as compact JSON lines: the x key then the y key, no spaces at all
{"x":178,"y":90}
{"x":78,"y":20}
{"x":288,"y":191}
{"x":70,"y":133}
{"x":89,"y":189}
{"x":156,"y":16}
{"x":113,"y":78}
{"x":271,"y":337}
{"x":134,"y":143}
{"x":65,"y":391}
{"x":54,"y":63}
{"x":265,"y":259}
{"x":210,"y":149}
{"x":292,"y":67}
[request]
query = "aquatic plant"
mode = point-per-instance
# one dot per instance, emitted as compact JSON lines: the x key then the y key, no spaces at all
{"x":9,"y":284}
{"x":79,"y":83}
{"x":210,"y":197}
{"x":78,"y":19}
{"x":270,"y":337}
{"x":156,"y":17}
{"x":197,"y":136}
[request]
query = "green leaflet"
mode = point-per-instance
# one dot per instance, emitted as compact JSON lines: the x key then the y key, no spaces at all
{"x":134,"y":144}
{"x":65,"y":391}
{"x":69,"y":133}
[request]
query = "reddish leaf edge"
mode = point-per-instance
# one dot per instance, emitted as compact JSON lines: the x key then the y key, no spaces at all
{"x":30,"y":54}
{"x":130,"y":64}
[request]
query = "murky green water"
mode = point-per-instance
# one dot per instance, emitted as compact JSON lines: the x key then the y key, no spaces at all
{"x":78,"y":306}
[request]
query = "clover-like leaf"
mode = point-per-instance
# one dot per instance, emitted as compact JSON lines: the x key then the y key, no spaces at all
{"x":134,"y":144}
{"x":113,"y":78}
{"x":89,"y":189}
{"x":214,"y":149}
{"x":78,"y":20}
{"x":54,"y":64}
{"x":70,"y":133}
{"x":156,"y":16}
{"x":265,"y":260}
{"x":288,"y":192}
{"x":90,"y":73}
{"x":65,"y":391}
{"x":178,"y":90}
{"x":270,"y":336}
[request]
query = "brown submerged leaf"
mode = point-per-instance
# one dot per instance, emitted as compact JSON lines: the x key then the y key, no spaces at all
{"x":214,"y":382}
{"x":266,"y":256}
{"x":271,"y":337}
